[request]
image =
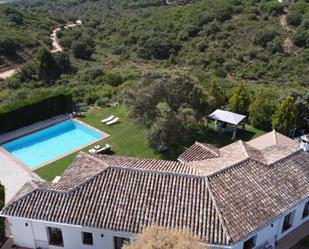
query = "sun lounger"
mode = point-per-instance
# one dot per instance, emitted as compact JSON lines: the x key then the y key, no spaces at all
{"x":94,"y":149}
{"x":104,"y":149}
{"x":98,"y":150}
{"x":115,"y":120}
{"x":108,"y":119}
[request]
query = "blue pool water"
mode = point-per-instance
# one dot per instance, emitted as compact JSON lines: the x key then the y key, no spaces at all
{"x":50,"y":143}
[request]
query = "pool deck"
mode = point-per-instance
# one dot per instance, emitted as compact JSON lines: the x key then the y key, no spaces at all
{"x":13,"y":175}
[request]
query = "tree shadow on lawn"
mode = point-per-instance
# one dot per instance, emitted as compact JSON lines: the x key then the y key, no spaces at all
{"x":244,"y":135}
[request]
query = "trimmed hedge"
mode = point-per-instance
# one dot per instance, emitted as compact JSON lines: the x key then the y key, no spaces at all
{"x":33,"y":110}
{"x":2,"y":221}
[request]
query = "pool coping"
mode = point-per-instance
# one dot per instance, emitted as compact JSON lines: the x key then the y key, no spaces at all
{"x":24,"y":166}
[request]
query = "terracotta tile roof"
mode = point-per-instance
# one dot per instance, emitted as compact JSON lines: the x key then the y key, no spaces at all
{"x":147,"y":164}
{"x":270,"y":139}
{"x":126,"y":199}
{"x":239,"y":151}
{"x":229,"y":155}
{"x":199,"y":151}
{"x":220,"y":199}
{"x":276,"y":152}
{"x":252,"y":194}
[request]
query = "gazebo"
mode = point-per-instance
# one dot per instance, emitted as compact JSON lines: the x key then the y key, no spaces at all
{"x":227,"y":121}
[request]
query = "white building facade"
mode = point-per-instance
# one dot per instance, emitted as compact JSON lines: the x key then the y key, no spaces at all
{"x":40,"y":234}
{"x":37,"y":234}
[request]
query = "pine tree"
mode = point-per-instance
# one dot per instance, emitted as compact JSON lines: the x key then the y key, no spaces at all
{"x":240,"y":100}
{"x":285,"y":116}
{"x":260,"y":112}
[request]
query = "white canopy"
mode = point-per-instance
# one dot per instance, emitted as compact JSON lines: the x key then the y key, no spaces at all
{"x":228,"y":117}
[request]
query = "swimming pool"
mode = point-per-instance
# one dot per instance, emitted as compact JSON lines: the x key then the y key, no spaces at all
{"x":46,"y":145}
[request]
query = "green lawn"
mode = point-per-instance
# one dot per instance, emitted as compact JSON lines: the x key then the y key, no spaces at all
{"x":128,"y":139}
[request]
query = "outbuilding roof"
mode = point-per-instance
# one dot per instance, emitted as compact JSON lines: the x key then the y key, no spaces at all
{"x":226,"y":116}
{"x":220,"y":199}
{"x":199,"y":151}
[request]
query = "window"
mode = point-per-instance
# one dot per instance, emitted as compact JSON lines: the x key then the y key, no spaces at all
{"x":306,"y":210}
{"x":288,"y":221}
{"x":250,"y":243}
{"x":55,"y":236}
{"x":87,"y":238}
{"x":119,"y":242}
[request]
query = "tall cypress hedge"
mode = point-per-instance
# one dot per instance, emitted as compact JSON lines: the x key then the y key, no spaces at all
{"x":33,"y":110}
{"x":2,"y":221}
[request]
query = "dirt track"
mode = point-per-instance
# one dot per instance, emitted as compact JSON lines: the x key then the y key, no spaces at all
{"x":56,"y":47}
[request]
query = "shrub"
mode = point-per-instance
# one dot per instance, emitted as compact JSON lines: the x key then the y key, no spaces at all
{"x":159,"y":45}
{"x":95,"y":73}
{"x":273,"y":7}
{"x":265,"y":36}
{"x":118,"y":50}
{"x":16,"y":18}
{"x":63,"y":62}
{"x":143,"y":53}
{"x":32,"y":110}
{"x":189,"y":31}
{"x":8,"y":46}
{"x":305,"y":24}
{"x":275,"y":46}
{"x":114,"y":79}
{"x":300,"y":38}
{"x":91,"y":97}
{"x":81,"y":50}
{"x":102,"y":101}
{"x":213,"y":28}
{"x":294,"y":18}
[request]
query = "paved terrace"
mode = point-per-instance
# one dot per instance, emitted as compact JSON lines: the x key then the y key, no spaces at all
{"x":13,"y":175}
{"x":9,"y":244}
{"x":291,"y":239}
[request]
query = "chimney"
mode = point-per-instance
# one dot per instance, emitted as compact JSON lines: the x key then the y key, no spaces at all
{"x":304,"y":142}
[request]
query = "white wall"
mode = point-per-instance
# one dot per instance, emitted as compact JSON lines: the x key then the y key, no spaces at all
{"x":72,"y":235}
{"x":21,"y":233}
{"x":35,"y":234}
{"x":297,"y":221}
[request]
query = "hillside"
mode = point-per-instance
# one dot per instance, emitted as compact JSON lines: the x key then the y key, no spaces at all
{"x":22,"y":32}
{"x":227,"y":41}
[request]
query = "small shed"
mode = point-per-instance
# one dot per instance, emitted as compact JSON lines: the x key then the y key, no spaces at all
{"x":227,"y":121}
